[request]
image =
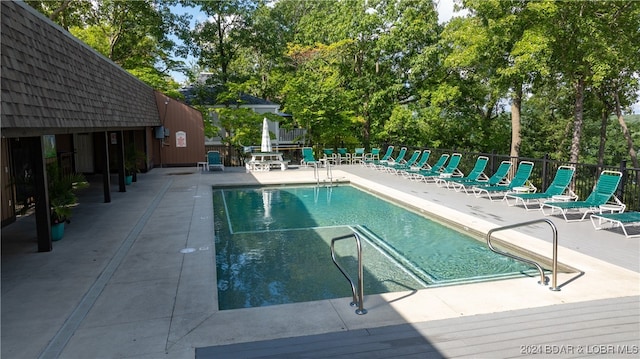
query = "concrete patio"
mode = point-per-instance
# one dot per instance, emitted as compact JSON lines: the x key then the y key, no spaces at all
{"x":121,"y":285}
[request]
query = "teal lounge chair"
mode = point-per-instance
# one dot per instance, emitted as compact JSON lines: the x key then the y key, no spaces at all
{"x":520,"y":180}
{"x":214,"y":160}
{"x":476,"y":174}
{"x":559,"y":186}
{"x":438,"y":166}
{"x":358,"y":155}
{"x":451,"y":170}
{"x":329,"y":157}
{"x":343,"y":156}
{"x":421,"y":164}
{"x":617,"y":220}
{"x":370,"y":157}
{"x":499,"y":177}
{"x":602,"y":193}
{"x":374,"y":159}
{"x":307,"y":157}
{"x":392,"y":161}
{"x":399,"y":167}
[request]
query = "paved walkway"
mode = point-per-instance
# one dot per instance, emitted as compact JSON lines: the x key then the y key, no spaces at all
{"x":120,"y":283}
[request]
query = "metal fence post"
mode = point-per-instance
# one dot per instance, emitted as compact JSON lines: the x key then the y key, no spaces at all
{"x":623,"y":180}
{"x":545,"y":169}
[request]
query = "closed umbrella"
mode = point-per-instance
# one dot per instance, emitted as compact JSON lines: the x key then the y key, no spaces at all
{"x":265,"y":146}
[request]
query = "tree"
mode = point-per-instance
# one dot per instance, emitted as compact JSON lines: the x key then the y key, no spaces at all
{"x":578,"y":37}
{"x":502,"y":46}
{"x":615,"y":68}
{"x":66,"y":13}
{"x":464,"y":103}
{"x":134,"y":34}
{"x":315,"y":96}
{"x":218,"y":41}
{"x":370,"y":45}
{"x":395,"y":34}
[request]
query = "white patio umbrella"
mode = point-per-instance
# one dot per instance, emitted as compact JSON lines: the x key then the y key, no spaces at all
{"x":265,"y":146}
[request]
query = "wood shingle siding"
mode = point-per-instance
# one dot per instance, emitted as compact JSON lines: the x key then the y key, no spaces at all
{"x":53,"y":83}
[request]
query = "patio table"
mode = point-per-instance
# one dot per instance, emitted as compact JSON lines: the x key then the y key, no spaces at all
{"x":263,"y":161}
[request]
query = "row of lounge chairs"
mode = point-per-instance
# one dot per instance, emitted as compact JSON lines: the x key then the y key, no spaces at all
{"x":341,"y":156}
{"x":557,"y":199}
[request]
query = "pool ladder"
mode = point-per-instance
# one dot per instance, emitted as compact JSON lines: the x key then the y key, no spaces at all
{"x":316,"y":173}
{"x":358,"y":295}
{"x":543,"y":279}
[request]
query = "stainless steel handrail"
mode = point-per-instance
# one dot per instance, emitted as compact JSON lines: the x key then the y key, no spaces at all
{"x":358,"y":296}
{"x":329,"y":172}
{"x":316,"y":175}
{"x":554,"y":271}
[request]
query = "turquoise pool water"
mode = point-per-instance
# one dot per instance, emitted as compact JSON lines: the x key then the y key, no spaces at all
{"x":273,"y":246}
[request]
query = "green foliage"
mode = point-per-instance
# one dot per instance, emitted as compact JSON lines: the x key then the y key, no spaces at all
{"x":62,"y":192}
{"x":244,"y":126}
{"x":157,"y":80}
{"x":376,"y":71}
{"x":220,"y":40}
{"x":317,"y":97}
{"x":133,"y":159}
{"x":134,"y":34}
{"x":404,"y":127}
{"x":64,"y":12}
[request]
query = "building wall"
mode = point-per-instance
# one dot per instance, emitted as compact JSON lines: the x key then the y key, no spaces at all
{"x":178,"y":117}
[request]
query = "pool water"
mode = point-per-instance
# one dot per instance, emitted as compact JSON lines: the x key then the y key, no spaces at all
{"x":273,"y":246}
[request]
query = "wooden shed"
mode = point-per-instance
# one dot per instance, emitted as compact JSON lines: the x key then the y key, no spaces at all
{"x":180,"y":140}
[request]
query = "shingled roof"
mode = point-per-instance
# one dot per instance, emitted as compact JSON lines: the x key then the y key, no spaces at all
{"x":53,"y":83}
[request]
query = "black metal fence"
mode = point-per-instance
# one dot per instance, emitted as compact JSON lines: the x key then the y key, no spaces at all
{"x":544,"y":169}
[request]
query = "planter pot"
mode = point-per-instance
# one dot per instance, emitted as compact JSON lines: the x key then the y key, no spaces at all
{"x":57,"y":231}
{"x":128,"y":179}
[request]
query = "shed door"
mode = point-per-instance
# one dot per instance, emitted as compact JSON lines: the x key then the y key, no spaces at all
{"x":84,"y":152}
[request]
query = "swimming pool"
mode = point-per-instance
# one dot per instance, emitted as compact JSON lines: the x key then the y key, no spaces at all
{"x":272,"y":246}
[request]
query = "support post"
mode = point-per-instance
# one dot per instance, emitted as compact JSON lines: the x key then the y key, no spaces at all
{"x":120,"y":156}
{"x":106,"y":178}
{"x":43,"y":214}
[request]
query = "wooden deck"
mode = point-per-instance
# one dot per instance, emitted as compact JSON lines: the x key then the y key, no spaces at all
{"x":603,"y":328}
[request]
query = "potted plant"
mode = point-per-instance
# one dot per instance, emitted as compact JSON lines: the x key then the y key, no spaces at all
{"x":62,"y":196}
{"x":132,"y":160}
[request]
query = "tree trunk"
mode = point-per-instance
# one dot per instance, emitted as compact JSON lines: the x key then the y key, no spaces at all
{"x":627,"y":135}
{"x":516,"y":105}
{"x":603,"y":135}
{"x":54,"y":15}
{"x":366,"y":130}
{"x":578,"y":119}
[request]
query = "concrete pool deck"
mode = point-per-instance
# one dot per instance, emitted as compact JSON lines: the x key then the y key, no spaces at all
{"x":119,"y":285}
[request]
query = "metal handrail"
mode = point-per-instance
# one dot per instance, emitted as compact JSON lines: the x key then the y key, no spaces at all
{"x":554,"y":272}
{"x":358,"y":296}
{"x":329,"y":173}
{"x":316,"y":173}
